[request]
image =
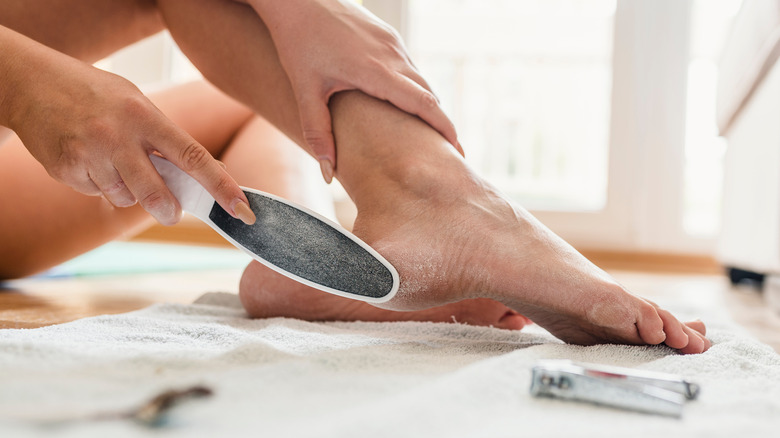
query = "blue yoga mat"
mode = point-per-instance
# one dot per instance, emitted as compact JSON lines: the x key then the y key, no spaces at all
{"x":136,"y":257}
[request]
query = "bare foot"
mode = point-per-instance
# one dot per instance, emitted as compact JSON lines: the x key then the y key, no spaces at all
{"x":265,"y":293}
{"x":457,"y":238}
{"x":452,"y":236}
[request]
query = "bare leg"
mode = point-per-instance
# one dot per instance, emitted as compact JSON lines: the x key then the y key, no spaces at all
{"x":4,"y":134}
{"x":275,"y":295}
{"x":52,"y":223}
{"x":45,"y":222}
{"x":85,"y":29}
{"x":450,"y":234}
{"x":484,"y":245}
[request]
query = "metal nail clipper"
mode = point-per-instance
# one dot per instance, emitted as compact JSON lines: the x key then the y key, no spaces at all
{"x":624,"y":388}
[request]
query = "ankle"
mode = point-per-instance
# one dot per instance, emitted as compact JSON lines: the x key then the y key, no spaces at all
{"x":381,"y":147}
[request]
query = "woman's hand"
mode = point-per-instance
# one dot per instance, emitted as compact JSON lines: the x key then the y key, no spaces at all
{"x":94,"y":131}
{"x":327,"y":46}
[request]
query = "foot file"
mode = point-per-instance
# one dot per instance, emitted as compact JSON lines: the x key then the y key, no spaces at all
{"x":291,"y":240}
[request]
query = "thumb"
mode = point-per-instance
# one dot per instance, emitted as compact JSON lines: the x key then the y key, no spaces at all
{"x":318,"y":132}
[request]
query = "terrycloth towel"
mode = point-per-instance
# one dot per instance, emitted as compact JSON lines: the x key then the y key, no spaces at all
{"x":288,"y":378}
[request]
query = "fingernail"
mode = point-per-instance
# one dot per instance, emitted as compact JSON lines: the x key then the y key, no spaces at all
{"x":244,"y":213}
{"x":327,"y":170}
{"x":167,"y":218}
{"x":221,"y":164}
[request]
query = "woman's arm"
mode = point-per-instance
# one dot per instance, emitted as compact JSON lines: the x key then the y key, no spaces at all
{"x":94,"y":131}
{"x":327,"y":46}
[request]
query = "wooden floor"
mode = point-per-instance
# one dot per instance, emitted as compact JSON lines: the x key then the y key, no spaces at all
{"x":38,"y":302}
{"x":34,"y":303}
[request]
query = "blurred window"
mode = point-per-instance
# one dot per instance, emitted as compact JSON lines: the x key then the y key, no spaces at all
{"x":704,"y":149}
{"x":534,"y":117}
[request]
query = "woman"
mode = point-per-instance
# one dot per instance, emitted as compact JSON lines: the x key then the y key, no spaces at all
{"x":451,"y":235}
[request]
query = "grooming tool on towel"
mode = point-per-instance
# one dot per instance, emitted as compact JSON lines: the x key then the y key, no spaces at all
{"x":151,"y":413}
{"x":623,"y":388}
{"x":291,"y":240}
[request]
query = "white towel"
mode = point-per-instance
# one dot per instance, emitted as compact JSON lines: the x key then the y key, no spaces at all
{"x":289,"y":378}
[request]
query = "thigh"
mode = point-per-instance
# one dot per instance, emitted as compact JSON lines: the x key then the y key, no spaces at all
{"x":85,"y":29}
{"x":250,"y":71}
{"x":4,"y":134}
{"x":44,"y":222}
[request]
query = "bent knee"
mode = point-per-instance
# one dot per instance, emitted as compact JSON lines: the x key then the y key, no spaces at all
{"x":13,"y":270}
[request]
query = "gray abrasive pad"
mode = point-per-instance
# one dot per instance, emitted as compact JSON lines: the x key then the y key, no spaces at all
{"x":305,"y":246}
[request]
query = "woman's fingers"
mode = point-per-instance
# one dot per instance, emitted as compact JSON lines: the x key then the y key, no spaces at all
{"x":318,"y":130}
{"x":397,"y":89}
{"x":409,"y":95}
{"x":329,"y":46}
{"x":113,"y":187}
{"x":190,"y":156}
{"x":83,"y":185}
{"x":445,"y":126}
{"x":148,"y":188}
{"x":94,"y":131}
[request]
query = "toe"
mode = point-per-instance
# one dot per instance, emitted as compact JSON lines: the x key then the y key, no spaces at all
{"x":698,"y":326}
{"x":483,"y":312}
{"x":697,"y":343}
{"x":650,"y":325}
{"x":675,"y":334}
{"x":512,"y":321}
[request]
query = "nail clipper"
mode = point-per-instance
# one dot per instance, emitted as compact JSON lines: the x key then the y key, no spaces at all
{"x":624,"y":388}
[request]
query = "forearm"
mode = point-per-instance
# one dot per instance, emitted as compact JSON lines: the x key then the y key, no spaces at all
{"x":273,"y":10}
{"x":94,"y":130}
{"x":25,"y":66}
{"x":327,"y":46}
{"x":37,"y":33}
{"x":16,"y":48}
